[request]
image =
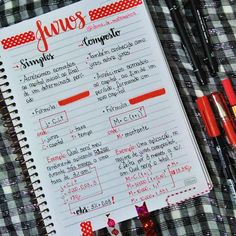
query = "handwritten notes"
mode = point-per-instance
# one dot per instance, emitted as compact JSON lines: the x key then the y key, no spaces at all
{"x":102,"y":116}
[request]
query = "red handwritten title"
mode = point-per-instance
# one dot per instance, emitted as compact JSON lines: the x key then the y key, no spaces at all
{"x":73,"y":22}
{"x":56,"y":27}
{"x":44,"y":32}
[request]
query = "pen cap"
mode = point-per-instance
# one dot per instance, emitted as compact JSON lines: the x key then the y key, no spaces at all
{"x":229,"y":91}
{"x":225,"y":116}
{"x":208,"y":117}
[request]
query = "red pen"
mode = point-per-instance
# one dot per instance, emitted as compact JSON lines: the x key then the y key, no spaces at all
{"x":208,"y":117}
{"x":226,"y":120}
{"x":213,"y":131}
{"x":229,"y":91}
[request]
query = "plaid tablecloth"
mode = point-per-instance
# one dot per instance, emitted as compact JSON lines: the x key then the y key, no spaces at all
{"x":213,"y":214}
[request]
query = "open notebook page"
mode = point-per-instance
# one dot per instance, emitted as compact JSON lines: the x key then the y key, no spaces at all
{"x":101,"y":113}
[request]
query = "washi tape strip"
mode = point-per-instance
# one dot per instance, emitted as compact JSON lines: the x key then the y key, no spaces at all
{"x":145,"y":218}
{"x":86,"y":228}
{"x":113,"y":8}
{"x":112,"y":227}
{"x":18,"y":40}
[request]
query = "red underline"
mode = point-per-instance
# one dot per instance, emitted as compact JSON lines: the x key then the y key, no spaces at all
{"x":73,"y":98}
{"x":146,"y":96}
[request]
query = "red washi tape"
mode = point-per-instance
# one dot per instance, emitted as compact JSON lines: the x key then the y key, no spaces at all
{"x":86,"y":228}
{"x":145,"y":218}
{"x":18,"y":40}
{"x":112,"y":227}
{"x":113,"y":8}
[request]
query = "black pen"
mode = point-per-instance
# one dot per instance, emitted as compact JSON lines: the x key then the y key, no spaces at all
{"x":204,"y":37}
{"x":225,"y":164}
{"x":214,"y":132}
{"x":179,"y":24}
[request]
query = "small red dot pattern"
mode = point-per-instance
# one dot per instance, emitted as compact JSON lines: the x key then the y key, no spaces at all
{"x":18,"y":40}
{"x":86,"y":228}
{"x":113,"y":8}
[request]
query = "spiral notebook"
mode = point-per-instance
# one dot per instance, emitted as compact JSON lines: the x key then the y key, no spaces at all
{"x":98,"y":117}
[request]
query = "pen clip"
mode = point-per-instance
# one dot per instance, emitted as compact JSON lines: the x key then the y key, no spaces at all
{"x":226,"y":118}
{"x":221,"y":105}
{"x":208,"y":117}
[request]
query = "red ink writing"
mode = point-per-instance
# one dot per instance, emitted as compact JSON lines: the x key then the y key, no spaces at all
{"x":57,"y":27}
{"x":125,"y":150}
{"x":56,"y":158}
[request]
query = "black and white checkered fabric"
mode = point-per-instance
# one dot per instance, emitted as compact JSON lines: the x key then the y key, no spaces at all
{"x":209,"y":215}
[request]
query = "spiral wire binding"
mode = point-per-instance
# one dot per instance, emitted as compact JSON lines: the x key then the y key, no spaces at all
{"x":16,"y":134}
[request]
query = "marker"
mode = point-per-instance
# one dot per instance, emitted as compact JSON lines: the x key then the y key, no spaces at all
{"x":226,"y":120}
{"x":179,"y":24}
{"x":204,"y":37}
{"x":213,"y":132}
{"x":229,"y":91}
